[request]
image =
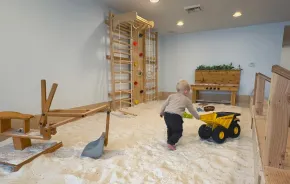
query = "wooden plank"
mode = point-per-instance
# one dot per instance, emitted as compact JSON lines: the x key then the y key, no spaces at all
{"x":21,"y":143}
{"x":14,"y":115}
{"x":5,"y":124}
{"x":121,"y":42}
{"x":266,"y":78}
{"x":281,"y":71}
{"x":122,"y":81}
{"x":277,"y":122}
{"x":260,"y":95}
{"x":277,"y":176}
{"x":213,"y":88}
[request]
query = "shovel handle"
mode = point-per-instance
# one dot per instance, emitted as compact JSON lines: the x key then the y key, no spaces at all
{"x":107,"y":127}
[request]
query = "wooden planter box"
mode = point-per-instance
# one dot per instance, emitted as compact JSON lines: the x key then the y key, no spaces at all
{"x":216,"y":80}
{"x":217,"y":76}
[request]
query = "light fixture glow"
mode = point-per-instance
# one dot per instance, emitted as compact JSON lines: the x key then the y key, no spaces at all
{"x":154,"y":1}
{"x":180,"y":23}
{"x":237,"y":14}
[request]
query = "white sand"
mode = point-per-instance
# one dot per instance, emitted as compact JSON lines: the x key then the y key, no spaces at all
{"x":137,"y":153}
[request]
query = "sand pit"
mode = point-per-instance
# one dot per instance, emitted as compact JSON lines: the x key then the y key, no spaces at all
{"x":137,"y":154}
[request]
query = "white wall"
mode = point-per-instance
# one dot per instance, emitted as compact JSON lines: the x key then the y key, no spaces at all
{"x":285,"y":57}
{"x":62,"y":41}
{"x":181,"y":54}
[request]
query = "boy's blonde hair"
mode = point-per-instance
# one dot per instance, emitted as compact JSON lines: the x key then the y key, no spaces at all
{"x":182,"y":86}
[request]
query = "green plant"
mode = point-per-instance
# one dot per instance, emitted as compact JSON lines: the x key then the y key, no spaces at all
{"x":218,"y":67}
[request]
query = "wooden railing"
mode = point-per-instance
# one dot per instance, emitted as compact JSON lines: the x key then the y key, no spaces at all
{"x":272,"y":126}
{"x":278,"y":117}
{"x":259,"y":92}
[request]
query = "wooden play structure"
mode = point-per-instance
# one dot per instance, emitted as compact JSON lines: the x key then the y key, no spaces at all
{"x":133,"y":60}
{"x":22,"y":137}
{"x":216,"y":80}
{"x":270,"y":125}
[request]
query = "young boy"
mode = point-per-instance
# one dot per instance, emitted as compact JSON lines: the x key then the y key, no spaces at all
{"x":173,"y":109}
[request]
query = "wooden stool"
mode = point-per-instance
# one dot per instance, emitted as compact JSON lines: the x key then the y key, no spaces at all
{"x":19,"y":143}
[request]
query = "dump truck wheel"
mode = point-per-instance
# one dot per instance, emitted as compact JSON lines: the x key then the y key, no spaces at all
{"x":235,"y":130}
{"x":219,"y":134}
{"x":204,"y":132}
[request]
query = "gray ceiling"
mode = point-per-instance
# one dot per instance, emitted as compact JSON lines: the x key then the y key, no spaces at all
{"x":216,"y":14}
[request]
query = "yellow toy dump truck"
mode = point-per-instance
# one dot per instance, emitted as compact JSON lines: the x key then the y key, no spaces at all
{"x":219,"y":126}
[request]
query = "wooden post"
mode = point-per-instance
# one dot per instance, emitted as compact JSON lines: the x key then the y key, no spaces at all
{"x":255,"y":88}
{"x":107,"y":127}
{"x":21,"y":143}
{"x":26,"y":127}
{"x":233,"y":97}
{"x":156,"y":63}
{"x":5,"y":124}
{"x":278,"y":118}
{"x":112,"y":61}
{"x":259,"y":95}
{"x":194,"y":93}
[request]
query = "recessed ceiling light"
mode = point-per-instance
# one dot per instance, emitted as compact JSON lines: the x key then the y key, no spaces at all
{"x":180,"y":23}
{"x":154,"y":1}
{"x":237,"y":14}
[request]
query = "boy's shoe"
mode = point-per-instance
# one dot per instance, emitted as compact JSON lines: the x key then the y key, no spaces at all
{"x":171,"y":147}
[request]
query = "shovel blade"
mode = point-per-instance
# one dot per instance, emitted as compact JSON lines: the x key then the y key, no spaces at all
{"x":95,"y":148}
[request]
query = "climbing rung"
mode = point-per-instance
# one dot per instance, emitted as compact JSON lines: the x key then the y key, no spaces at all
{"x":125,"y":49}
{"x":123,"y":81}
{"x":126,"y":102}
{"x":122,"y":62}
{"x":122,"y":34}
{"x":122,"y":28}
{"x":123,"y":72}
{"x":121,"y":92}
{"x":117,"y":58}
{"x":149,"y":89}
{"x":122,"y":53}
{"x":121,"y":42}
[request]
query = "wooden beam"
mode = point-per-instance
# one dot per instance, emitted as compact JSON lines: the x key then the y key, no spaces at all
{"x":95,"y":110}
{"x":260,"y":95}
{"x":70,"y":110}
{"x":64,"y":122}
{"x":43,"y":121}
{"x":277,"y":121}
{"x":63,"y":114}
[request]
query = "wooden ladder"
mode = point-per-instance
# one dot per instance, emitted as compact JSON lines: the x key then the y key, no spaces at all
{"x":121,"y":42}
